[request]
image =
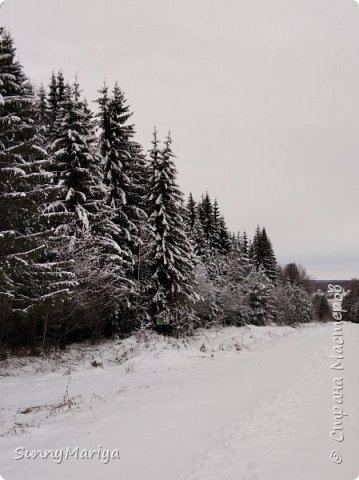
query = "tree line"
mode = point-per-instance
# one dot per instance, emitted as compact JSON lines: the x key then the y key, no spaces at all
{"x":96,"y":237}
{"x":351,"y":301}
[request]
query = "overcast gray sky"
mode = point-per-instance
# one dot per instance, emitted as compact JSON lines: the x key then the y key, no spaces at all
{"x":262,"y":98}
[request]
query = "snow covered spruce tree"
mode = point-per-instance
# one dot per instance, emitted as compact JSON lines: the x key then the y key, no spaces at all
{"x":205,"y":211}
{"x":82,"y":217}
{"x":244,"y":258}
{"x":262,"y":254}
{"x":41,"y":103}
{"x":192,"y":214}
{"x":30,"y":285}
{"x":136,"y":198}
{"x":125,"y":169}
{"x":126,"y":178}
{"x":197,"y":238}
{"x":261,"y":297}
{"x":172,"y":267}
{"x":76,"y":166}
{"x":216,"y":227}
{"x":213,"y":224}
{"x":224,"y":237}
{"x":53,"y":101}
{"x":194,"y":230}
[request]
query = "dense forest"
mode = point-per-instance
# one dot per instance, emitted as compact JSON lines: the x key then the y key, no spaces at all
{"x":97,"y":239}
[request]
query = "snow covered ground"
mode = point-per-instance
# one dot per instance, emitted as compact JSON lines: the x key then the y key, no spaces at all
{"x":232,"y":404}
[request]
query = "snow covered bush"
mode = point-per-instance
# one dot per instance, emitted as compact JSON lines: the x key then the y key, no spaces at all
{"x":293,"y":305}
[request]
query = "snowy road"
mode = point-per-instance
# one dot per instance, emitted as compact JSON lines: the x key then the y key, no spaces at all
{"x":184,"y":414}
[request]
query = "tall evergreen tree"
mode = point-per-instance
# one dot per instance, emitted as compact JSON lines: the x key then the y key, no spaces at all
{"x":200,"y":246}
{"x":192,"y":213}
{"x":138,"y":173}
{"x":215,"y":233}
{"x":262,"y":254}
{"x":42,"y":106}
{"x":27,"y":279}
{"x":260,"y":297}
{"x":76,"y":166}
{"x":172,"y":268}
{"x":52,"y":101}
{"x":61,"y":87}
{"x":205,"y":211}
{"x":244,"y":244}
{"x":124,"y":170}
{"x":244,"y":256}
{"x":223,"y":236}
{"x":195,"y":230}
